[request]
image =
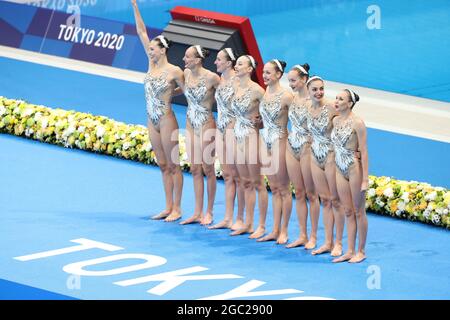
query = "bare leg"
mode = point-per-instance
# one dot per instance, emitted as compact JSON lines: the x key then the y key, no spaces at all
{"x":314,"y":204}
{"x":211,"y":187}
{"x":208,"y":160}
{"x":155,"y":138}
{"x":263,"y":199}
{"x":277,"y":209}
{"x":193,"y":147}
{"x":241,"y":204}
{"x":230,"y":185}
{"x":339,"y":216}
{"x":320,"y":181}
{"x":295,"y":175}
{"x":286,"y":194}
{"x":248,"y":169}
{"x":359,"y":199}
{"x":345,"y":195}
{"x":169,"y":137}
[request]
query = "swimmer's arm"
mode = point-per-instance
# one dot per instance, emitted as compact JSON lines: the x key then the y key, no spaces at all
{"x":361,"y":133}
{"x":287,"y":100}
{"x":213,"y":80}
{"x":179,"y":80}
{"x":140,"y":27}
{"x":257,"y":118}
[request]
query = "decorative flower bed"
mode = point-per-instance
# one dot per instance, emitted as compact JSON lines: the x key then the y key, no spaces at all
{"x":409,"y":200}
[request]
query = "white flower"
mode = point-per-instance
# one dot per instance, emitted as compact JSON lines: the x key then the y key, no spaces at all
{"x":430,"y":207}
{"x":81,"y":129}
{"x":123,"y":136}
{"x":436,"y":219}
{"x":439,"y":211}
{"x":27,"y":112}
{"x":389,"y":193}
{"x":134,"y":134}
{"x":379,"y":202}
{"x":370,"y":182}
{"x":398,"y":213}
{"x":44,"y":122}
{"x":401,"y":206}
{"x":118,"y":150}
{"x":405,"y":197}
{"x":371,"y":192}
{"x":431,"y":196}
{"x":126,"y":145}
{"x":2,"y":110}
{"x":59,"y":123}
{"x":29,"y":132}
{"x":71,"y":129}
{"x":426,"y":213}
{"x":445,"y":211}
{"x":100,"y":131}
{"x":147,"y":147}
{"x":37,"y":116}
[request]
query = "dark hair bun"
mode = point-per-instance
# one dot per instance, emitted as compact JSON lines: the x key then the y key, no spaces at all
{"x":306,"y":66}
{"x":205,"y":52}
{"x":283,"y":64}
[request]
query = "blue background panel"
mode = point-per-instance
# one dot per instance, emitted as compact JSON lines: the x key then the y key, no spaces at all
{"x":17,"y":16}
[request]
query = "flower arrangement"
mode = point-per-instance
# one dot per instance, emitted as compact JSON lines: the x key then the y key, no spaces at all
{"x":71,"y":129}
{"x":409,"y":200}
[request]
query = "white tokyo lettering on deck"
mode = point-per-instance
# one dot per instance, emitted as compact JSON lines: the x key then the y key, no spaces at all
{"x":169,"y":280}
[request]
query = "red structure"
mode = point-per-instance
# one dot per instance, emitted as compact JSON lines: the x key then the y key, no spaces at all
{"x":225,"y":20}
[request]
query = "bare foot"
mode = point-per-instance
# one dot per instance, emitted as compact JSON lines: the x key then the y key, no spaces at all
{"x":224,"y":224}
{"x":323,"y":249}
{"x":162,"y":215}
{"x":245,"y":229}
{"x":196,"y":218}
{"x":173,"y":216}
{"x":345,"y":257}
{"x":207,"y":219}
{"x":258,"y":233}
{"x":337,"y":250}
{"x":282,"y":238}
{"x":301,"y":241}
{"x":311,"y":244}
{"x":360,"y":256}
{"x":239,"y":224}
{"x":270,"y":237}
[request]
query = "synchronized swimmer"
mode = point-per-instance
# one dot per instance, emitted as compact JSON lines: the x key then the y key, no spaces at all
{"x":323,"y":154}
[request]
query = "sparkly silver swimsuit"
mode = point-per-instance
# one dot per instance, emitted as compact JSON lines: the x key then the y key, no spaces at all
{"x":344,"y":157}
{"x":223,"y":96}
{"x":271,"y":112}
{"x":197,"y":114}
{"x":299,"y":134}
{"x":321,"y":144}
{"x":240,"y":106}
{"x":155,"y":87}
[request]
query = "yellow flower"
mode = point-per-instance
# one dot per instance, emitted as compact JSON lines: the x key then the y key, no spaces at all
{"x":379,"y":191}
{"x":393,"y":206}
{"x":422,"y":205}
